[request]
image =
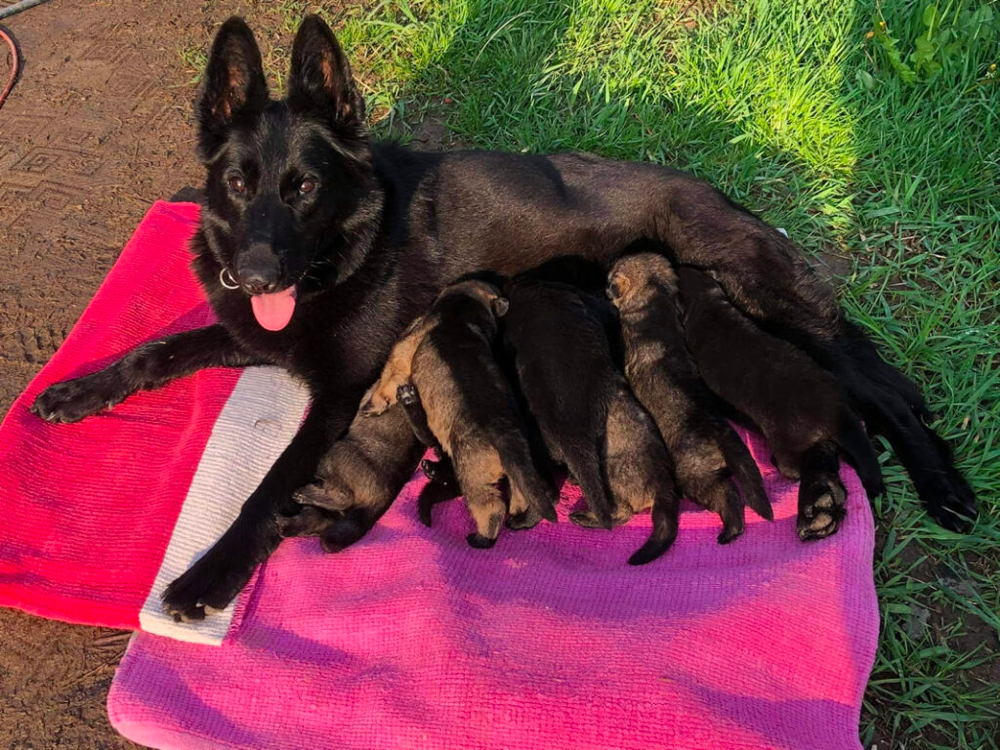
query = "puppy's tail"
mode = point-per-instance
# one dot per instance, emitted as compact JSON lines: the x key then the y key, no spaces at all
{"x":522,"y":474}
{"x":854,"y":441}
{"x":746,"y":472}
{"x":666,"y":515}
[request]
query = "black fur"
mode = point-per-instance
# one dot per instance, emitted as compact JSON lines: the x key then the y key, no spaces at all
{"x":384,"y":229}
{"x":557,"y":336}
{"x":706,"y":451}
{"x":801,"y":409}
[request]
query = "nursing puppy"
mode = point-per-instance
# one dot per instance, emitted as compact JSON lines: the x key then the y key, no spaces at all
{"x":356,"y":481}
{"x":706,"y":451}
{"x":800,"y":408}
{"x":447,"y":355}
{"x":585,"y":413}
{"x":443,"y":484}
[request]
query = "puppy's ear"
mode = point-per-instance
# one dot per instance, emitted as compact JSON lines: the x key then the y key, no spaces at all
{"x":500,"y":306}
{"x":618,"y":286}
{"x":321,"y":82}
{"x":234,"y":85}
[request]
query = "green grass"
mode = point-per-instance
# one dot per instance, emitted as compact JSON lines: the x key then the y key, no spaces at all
{"x":804,"y":111}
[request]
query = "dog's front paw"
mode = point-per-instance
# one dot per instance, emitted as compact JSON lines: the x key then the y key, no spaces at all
{"x":207,"y":587}
{"x":821,"y":508}
{"x":72,"y":400}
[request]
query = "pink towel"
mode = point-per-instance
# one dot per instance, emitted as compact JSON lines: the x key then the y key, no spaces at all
{"x":409,"y":638}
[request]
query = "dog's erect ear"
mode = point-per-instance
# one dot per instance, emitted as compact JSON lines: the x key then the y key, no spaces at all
{"x":321,"y":81}
{"x":500,"y":306}
{"x":234,"y":84}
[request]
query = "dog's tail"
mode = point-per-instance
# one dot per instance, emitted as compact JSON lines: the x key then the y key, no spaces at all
{"x":855,"y":443}
{"x":515,"y":456}
{"x":666,"y":515}
{"x":745,"y":471}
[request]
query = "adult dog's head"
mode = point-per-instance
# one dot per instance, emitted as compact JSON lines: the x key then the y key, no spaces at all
{"x":286,"y":179}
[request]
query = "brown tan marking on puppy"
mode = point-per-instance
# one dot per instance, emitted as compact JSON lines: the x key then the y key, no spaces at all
{"x":706,"y":451}
{"x":447,"y":355}
{"x":357,"y":480}
{"x":800,"y":407}
{"x":587,"y":417}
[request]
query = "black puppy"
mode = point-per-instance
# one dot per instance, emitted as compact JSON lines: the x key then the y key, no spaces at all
{"x":447,"y":356}
{"x":309,"y":225}
{"x":705,"y":449}
{"x":589,"y":420}
{"x":800,"y":408}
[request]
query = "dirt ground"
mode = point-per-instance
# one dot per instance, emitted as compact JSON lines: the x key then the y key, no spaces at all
{"x":98,"y":127}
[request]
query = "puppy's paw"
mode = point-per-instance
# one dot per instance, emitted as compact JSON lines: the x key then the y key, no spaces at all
{"x":479,"y":541}
{"x":588,"y":520}
{"x":309,"y":521}
{"x":821,"y":509}
{"x":323,"y":496}
{"x":344,"y":530}
{"x":73,"y":400}
{"x":406,"y":394}
{"x":527,"y":519}
{"x":439,"y":472}
{"x":377,"y":400}
{"x":728,"y":535}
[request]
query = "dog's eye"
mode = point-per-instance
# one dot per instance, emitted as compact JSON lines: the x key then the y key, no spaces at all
{"x":237,"y":185}
{"x":307,"y":186}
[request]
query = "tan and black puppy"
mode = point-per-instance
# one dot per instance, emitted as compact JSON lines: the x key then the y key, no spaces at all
{"x":447,"y":355}
{"x":356,"y":481}
{"x":587,"y":417}
{"x":707,"y":452}
{"x":800,"y":408}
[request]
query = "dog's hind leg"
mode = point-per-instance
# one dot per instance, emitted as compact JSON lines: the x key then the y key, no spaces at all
{"x":821,"y":493}
{"x":439,"y":472}
{"x":407,"y":395}
{"x":521,"y":515}
{"x":528,"y":488}
{"x":351,"y":526}
{"x":745,"y":471}
{"x":892,"y":405}
{"x":730,"y":510}
{"x":433,"y":493}
{"x":149,"y":366}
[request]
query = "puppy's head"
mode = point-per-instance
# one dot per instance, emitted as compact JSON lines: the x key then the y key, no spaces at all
{"x":482,"y":292}
{"x":635,"y":279}
{"x":285,"y":178}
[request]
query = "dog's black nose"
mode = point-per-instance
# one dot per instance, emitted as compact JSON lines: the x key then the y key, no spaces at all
{"x":258,"y":278}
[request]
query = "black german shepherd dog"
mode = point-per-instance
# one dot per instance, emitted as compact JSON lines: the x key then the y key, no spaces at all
{"x":318,"y":246}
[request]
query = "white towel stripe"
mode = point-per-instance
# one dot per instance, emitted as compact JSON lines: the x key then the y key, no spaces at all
{"x":260,"y":418}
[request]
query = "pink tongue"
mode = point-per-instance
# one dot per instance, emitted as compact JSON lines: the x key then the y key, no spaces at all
{"x":273,"y":311}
